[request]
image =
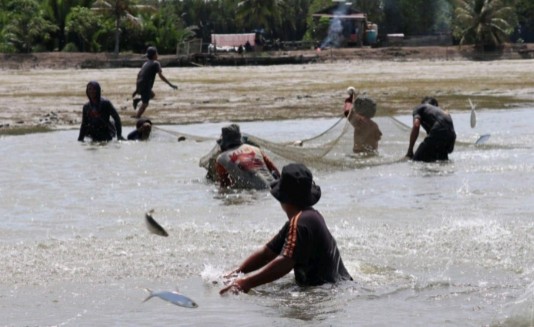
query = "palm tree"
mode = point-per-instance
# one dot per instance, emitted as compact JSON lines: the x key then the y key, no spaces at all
{"x":256,"y":14}
{"x":120,"y":9}
{"x":26,"y":27}
{"x":57,"y":11}
{"x":485,"y":23}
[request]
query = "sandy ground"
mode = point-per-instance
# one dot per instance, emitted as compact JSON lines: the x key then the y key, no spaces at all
{"x":36,"y":98}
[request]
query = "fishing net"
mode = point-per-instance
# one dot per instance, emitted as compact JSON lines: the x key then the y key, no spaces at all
{"x":330,"y":149}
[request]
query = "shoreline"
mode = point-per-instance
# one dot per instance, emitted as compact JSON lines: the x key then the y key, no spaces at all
{"x":47,"y":91}
{"x":85,"y":60}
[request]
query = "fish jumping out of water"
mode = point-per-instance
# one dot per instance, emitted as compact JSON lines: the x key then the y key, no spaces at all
{"x":173,"y":297}
{"x":473,"y":114}
{"x":153,"y":225}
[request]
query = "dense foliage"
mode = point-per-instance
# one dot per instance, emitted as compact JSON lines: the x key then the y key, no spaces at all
{"x":132,"y":25}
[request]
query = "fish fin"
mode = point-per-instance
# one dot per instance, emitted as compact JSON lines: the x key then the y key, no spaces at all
{"x":151,"y":295}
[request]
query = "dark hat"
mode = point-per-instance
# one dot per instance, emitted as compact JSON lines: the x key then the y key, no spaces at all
{"x":151,"y":52}
{"x":296,"y":186}
{"x":365,"y":106}
{"x":230,"y":137}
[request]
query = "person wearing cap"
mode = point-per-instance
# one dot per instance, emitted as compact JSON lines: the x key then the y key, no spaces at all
{"x":145,"y":81}
{"x":366,"y":131}
{"x":304,"y":244}
{"x":242,"y":165}
{"x":96,"y":114}
{"x":209,"y":161}
{"x":143,"y":127}
{"x":439,"y":127}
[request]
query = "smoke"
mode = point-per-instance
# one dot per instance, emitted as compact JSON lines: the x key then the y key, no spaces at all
{"x":335,"y":37}
{"x":442,"y":16}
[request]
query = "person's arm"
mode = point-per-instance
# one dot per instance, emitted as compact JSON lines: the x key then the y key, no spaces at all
{"x":222,"y":175}
{"x":117,"y":119}
{"x":274,"y":270}
{"x":255,"y":261}
{"x":83,"y":126}
{"x":270,"y":165}
{"x":163,"y":78}
{"x":413,"y":136}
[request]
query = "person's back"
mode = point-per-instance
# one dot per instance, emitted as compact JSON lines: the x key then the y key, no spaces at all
{"x":316,"y":255}
{"x":440,"y":132}
{"x":147,"y":75}
{"x":434,"y":120}
{"x":245,"y":166}
{"x":367,"y":134}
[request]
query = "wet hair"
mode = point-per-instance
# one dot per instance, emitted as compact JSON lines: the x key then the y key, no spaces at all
{"x":430,"y":100}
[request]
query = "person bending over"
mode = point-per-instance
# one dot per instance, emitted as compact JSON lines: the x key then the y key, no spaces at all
{"x":242,"y":165}
{"x":304,"y":244}
{"x":439,"y":127}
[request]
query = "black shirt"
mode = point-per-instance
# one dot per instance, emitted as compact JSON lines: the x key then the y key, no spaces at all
{"x":96,"y":121}
{"x":147,"y":75}
{"x":435,"y":121}
{"x":306,"y":240}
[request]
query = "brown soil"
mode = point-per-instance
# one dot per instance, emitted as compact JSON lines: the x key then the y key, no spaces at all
{"x":44,"y":91}
{"x":65,"y":60}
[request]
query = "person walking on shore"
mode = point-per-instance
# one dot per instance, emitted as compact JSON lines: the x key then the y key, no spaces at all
{"x":145,"y":81}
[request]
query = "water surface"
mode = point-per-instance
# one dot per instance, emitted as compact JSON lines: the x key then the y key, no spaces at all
{"x":427,"y":244}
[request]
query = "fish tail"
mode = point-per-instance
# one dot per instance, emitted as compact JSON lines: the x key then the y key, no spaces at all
{"x":151,"y":295}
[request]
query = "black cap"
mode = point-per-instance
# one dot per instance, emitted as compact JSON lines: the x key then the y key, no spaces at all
{"x":296,"y":186}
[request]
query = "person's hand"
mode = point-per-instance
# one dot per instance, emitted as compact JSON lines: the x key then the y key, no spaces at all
{"x":121,"y":138}
{"x":173,"y":86}
{"x":235,"y":288}
{"x":409,"y":155}
{"x":231,"y":274}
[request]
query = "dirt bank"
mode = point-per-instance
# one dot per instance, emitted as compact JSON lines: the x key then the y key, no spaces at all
{"x":47,"y":91}
{"x":66,"y":60}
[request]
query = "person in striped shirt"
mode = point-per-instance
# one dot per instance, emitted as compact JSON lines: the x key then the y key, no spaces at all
{"x":304,"y":244}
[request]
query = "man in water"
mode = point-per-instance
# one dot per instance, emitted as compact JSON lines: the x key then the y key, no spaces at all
{"x":143,"y":127}
{"x":242,"y":165}
{"x":440,"y":132}
{"x":349,"y":101}
{"x":145,"y":81}
{"x":366,"y":131}
{"x":304,"y":244}
{"x":96,"y":117}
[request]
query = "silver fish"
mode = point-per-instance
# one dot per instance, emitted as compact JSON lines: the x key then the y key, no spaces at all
{"x":482,"y":139}
{"x":172,"y":297}
{"x":473,"y":114}
{"x":153,"y":226}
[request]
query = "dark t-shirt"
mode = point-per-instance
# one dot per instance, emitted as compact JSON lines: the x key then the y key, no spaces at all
{"x":306,"y":240}
{"x":436,"y":122}
{"x":96,"y":121}
{"x":147,"y":75}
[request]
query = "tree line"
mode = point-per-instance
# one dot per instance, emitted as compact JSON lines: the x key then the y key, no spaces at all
{"x":132,"y":25}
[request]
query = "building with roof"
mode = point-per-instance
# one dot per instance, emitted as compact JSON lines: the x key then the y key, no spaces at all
{"x":347,"y":26}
